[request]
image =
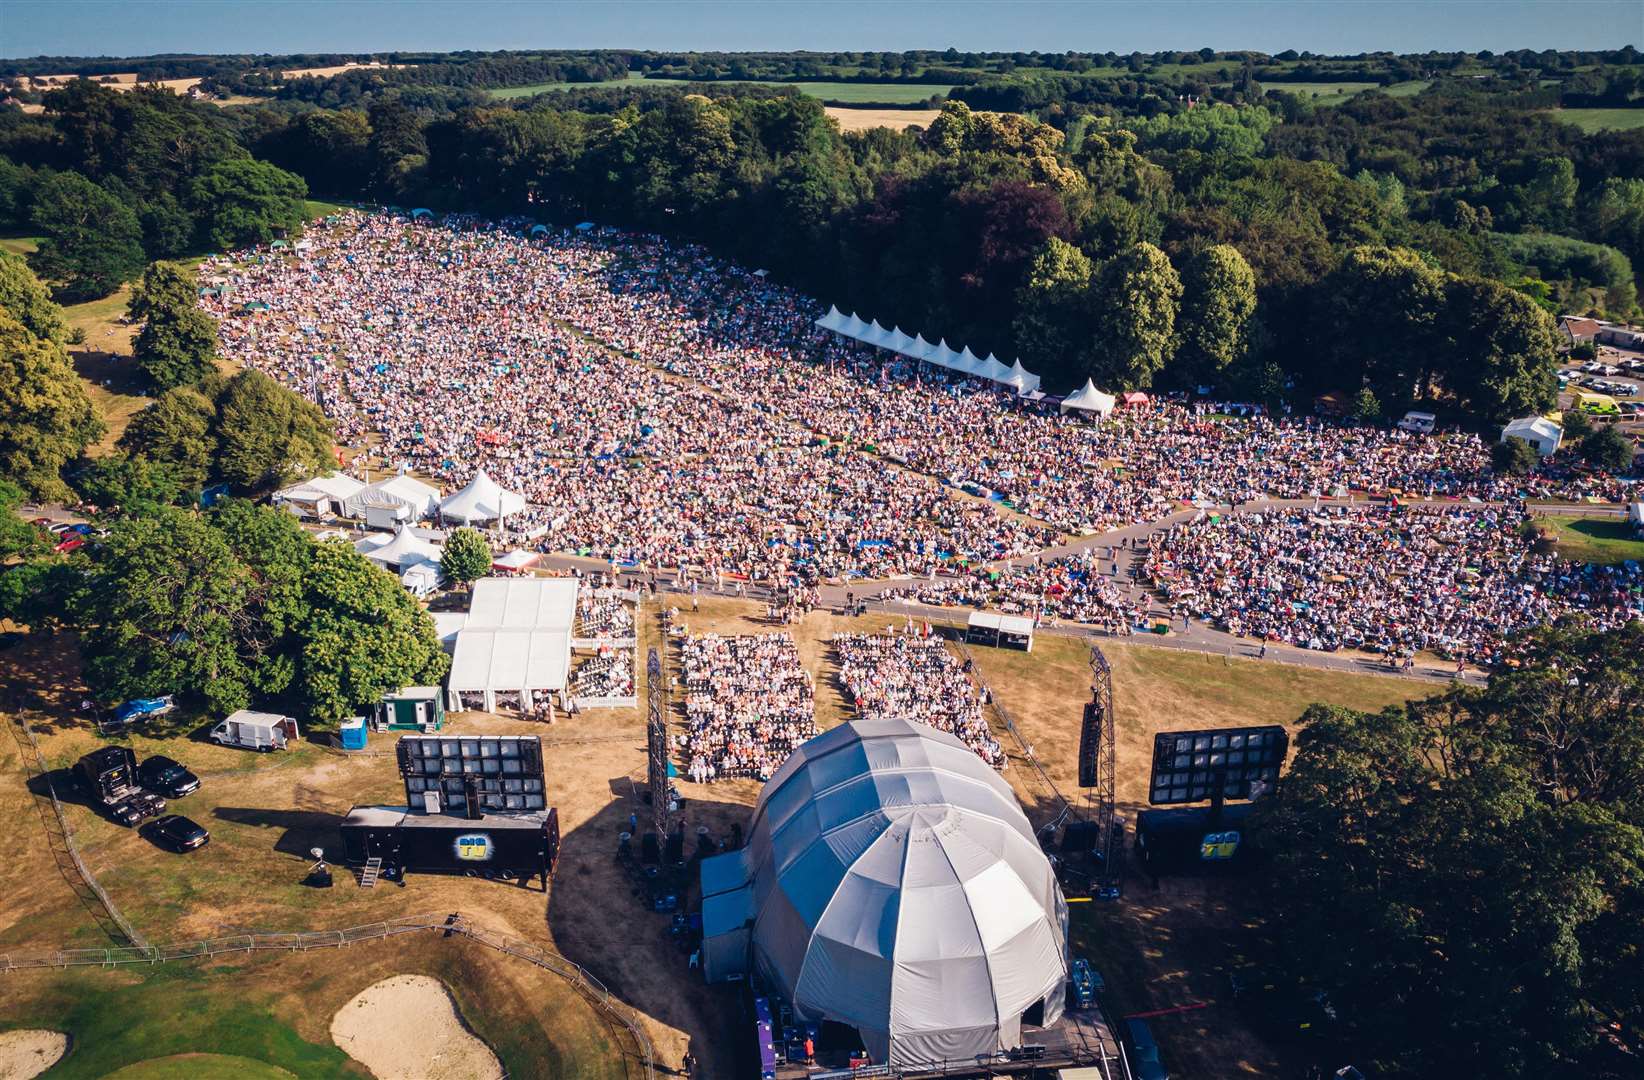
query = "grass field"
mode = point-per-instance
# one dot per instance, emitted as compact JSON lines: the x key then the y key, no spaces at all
{"x":19,"y":245}
{"x":1593,"y":539}
{"x":846,"y":92}
{"x":1592,"y":120}
{"x":855,"y":119}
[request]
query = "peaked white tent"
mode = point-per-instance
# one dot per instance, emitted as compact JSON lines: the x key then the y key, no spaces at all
{"x":483,"y":499}
{"x":991,"y":368}
{"x":402,"y":551}
{"x":1022,"y":376}
{"x":891,"y":882}
{"x":1089,"y":399}
{"x":896,"y":340}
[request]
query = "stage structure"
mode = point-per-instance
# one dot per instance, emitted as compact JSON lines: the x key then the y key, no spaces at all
{"x":1214,"y":765}
{"x":1098,"y":772}
{"x":656,"y":744}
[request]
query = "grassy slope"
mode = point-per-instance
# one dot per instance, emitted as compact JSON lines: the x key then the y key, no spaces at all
{"x":201,"y":1067}
{"x":1592,"y":120}
{"x":1593,"y":539}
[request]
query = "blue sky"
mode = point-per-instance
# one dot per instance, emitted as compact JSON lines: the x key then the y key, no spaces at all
{"x":142,"y":27}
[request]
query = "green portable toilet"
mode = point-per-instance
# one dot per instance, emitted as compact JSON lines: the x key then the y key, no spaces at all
{"x":410,"y":708}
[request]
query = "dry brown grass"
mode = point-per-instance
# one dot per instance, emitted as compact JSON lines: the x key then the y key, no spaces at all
{"x":866,"y":119}
{"x":1160,"y":947}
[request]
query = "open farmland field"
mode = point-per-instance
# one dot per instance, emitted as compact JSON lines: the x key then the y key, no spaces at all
{"x":848,"y":92}
{"x":867,"y":119}
{"x":1593,"y":120}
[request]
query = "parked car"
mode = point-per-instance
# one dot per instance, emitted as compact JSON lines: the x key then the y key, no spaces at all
{"x":1145,"y":1063}
{"x":176,"y":832}
{"x":75,"y":540}
{"x":167,"y":777}
{"x":136,"y":808}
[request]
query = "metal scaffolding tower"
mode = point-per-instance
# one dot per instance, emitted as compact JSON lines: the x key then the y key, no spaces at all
{"x":1109,"y":841}
{"x":656,"y":744}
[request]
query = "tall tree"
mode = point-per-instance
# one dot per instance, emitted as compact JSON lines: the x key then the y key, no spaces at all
{"x":1504,"y":351}
{"x":92,"y":241}
{"x":266,"y":434}
{"x":363,"y":635}
{"x":240,"y":202}
{"x":178,"y":342}
{"x":46,"y":419}
{"x":1382,"y":322}
{"x":177,"y":430}
{"x":1218,"y":301}
{"x":26,"y":300}
{"x":466,"y":556}
{"x":168,"y":604}
{"x":1136,"y":298}
{"x":1053,"y":312}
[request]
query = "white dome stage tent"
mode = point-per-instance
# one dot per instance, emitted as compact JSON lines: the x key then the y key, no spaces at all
{"x":892,"y":883}
{"x":483,"y":499}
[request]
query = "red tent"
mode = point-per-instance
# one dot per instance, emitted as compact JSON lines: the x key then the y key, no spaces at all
{"x":1134,"y":398}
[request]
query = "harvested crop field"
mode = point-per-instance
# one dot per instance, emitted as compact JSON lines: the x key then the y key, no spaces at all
{"x":867,"y":119}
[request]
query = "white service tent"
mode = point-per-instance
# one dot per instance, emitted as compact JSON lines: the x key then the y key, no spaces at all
{"x":318,"y":497}
{"x":1089,"y":399}
{"x":891,"y":882}
{"x":396,"y":499}
{"x":896,"y":340}
{"x":1538,"y":431}
{"x":483,"y":499}
{"x":517,"y":640}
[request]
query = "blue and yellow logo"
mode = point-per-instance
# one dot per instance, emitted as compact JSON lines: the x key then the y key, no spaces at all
{"x":1218,"y":846}
{"x":474,"y":847}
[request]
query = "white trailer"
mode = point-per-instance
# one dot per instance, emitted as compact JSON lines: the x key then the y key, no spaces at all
{"x":256,"y":730}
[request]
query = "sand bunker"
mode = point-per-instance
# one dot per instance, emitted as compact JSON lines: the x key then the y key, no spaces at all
{"x":27,"y":1053}
{"x":407,"y":1028}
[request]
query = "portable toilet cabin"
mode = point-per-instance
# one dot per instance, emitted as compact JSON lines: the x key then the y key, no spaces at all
{"x":352,"y":733}
{"x":410,"y":708}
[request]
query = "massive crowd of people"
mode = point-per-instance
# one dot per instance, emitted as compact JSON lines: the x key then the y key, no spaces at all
{"x":661,"y":407}
{"x":1394,"y":580}
{"x":748,"y":703}
{"x":915,"y":677}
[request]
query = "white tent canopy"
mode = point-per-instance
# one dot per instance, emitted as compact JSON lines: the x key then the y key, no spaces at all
{"x":1538,"y":431}
{"x":404,"y":550}
{"x":517,"y":639}
{"x":1090,"y":399}
{"x":964,"y":361}
{"x":894,"y":884}
{"x":483,"y":499}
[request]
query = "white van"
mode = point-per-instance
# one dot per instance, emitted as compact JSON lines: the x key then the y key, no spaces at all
{"x":1421,"y":423}
{"x":256,"y":730}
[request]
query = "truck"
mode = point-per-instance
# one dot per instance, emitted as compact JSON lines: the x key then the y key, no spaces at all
{"x":256,"y":730}
{"x":508,"y":846}
{"x":109,"y":777}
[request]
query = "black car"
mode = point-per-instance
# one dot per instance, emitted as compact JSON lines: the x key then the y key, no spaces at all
{"x":136,"y":808}
{"x":167,"y":777}
{"x":176,"y":832}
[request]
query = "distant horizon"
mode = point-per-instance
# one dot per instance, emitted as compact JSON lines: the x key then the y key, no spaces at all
{"x":143,"y":28}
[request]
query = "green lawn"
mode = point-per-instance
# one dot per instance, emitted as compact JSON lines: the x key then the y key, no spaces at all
{"x":318,"y":208}
{"x":131,"y":1028}
{"x":1594,"y":120}
{"x":1593,"y":539}
{"x":844,"y":92}
{"x":19,"y":245}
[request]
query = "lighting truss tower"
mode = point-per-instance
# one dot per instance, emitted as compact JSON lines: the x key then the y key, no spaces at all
{"x":656,"y":744}
{"x":1101,"y":695}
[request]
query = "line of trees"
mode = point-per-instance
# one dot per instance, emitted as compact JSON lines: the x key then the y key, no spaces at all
{"x":1465,"y":874}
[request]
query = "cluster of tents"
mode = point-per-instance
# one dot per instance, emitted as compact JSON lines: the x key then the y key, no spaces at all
{"x":965,"y":362}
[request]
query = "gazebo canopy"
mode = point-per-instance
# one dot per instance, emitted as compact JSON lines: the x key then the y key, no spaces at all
{"x":483,"y":499}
